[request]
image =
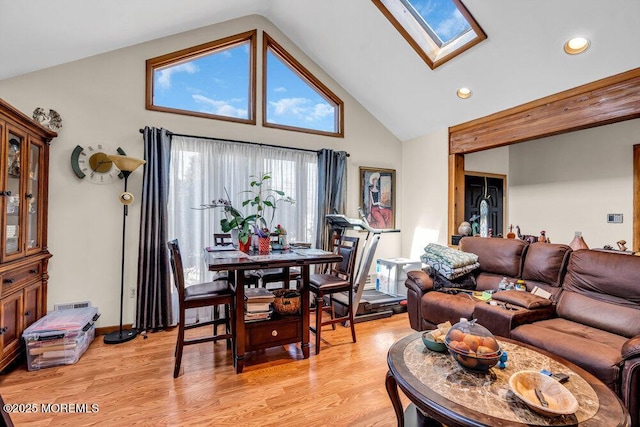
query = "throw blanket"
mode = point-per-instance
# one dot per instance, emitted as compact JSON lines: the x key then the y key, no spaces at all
{"x":451,"y":257}
{"x":449,"y":262}
{"x":440,"y":281}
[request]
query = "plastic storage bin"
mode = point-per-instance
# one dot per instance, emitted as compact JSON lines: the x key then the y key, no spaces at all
{"x":391,"y":274}
{"x":60,"y":337}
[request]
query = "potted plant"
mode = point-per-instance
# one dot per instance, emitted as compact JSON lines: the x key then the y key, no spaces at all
{"x":234,"y":221}
{"x":264,"y":200}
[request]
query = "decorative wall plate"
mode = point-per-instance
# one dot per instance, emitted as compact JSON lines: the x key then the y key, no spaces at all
{"x":51,"y":120}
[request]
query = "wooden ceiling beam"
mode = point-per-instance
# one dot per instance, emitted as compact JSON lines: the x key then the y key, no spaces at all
{"x":609,"y":100}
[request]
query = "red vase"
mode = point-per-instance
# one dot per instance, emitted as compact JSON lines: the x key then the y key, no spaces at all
{"x":264,"y":245}
{"x":244,"y":247}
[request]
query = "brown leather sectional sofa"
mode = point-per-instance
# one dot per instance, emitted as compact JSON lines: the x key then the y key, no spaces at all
{"x":593,"y":319}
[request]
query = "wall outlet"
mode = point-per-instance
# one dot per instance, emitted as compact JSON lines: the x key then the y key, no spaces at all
{"x":132,"y":292}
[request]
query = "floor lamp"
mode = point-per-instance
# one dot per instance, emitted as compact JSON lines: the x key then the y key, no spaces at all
{"x":126,"y":165}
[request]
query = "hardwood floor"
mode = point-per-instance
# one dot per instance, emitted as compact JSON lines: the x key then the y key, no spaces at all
{"x":133,"y":384}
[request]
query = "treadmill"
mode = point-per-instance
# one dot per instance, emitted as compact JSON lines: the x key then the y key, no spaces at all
{"x":370,"y":304}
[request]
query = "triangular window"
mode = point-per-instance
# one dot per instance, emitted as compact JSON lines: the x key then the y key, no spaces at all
{"x":294,"y":99}
{"x":438,"y":30}
{"x":214,"y":80}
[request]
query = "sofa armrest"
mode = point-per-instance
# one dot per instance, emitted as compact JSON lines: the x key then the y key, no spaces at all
{"x":419,"y":281}
{"x":630,"y":382}
{"x":501,"y":320}
{"x":631,"y":348}
{"x":521,"y":299}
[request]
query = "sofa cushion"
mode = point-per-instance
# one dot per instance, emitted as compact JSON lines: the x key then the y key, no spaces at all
{"x":545,"y":263}
{"x":490,"y":281}
{"x":438,"y":307}
{"x":609,"y":276}
{"x":597,"y":351}
{"x":617,"y":319}
{"x":497,"y":256}
{"x":602,"y":290}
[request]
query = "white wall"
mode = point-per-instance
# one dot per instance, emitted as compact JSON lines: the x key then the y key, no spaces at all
{"x":424,"y":192}
{"x":569,"y":183}
{"x":101,"y":100}
{"x":488,"y":161}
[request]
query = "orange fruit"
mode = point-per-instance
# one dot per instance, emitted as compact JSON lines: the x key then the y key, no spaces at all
{"x":482,"y":350}
{"x":468,"y":362}
{"x":473,"y":341}
{"x":491,"y":343}
{"x":462,"y":346}
{"x":456,"y":335}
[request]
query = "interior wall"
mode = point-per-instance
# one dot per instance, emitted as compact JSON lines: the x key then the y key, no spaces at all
{"x":425,"y":192}
{"x":570,"y":182}
{"x":488,"y":161}
{"x":101,"y":101}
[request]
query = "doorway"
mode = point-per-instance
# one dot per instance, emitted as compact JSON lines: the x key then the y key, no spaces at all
{"x":478,"y":186}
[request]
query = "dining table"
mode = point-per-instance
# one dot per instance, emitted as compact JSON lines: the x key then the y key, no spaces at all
{"x":252,"y":335}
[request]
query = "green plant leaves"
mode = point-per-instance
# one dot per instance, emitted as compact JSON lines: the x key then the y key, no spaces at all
{"x":259,"y":198}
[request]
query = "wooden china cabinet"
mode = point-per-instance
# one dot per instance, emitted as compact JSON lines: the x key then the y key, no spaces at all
{"x":24,"y":170}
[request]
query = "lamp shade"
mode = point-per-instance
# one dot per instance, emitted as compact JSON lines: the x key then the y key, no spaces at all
{"x":126,"y":163}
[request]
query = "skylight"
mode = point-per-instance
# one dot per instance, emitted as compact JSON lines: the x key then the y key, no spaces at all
{"x":438,"y":30}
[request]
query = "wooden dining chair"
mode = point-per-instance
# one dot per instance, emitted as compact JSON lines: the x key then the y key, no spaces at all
{"x":338,"y":280}
{"x":266,"y":276}
{"x":215,"y":293}
{"x":222,"y":239}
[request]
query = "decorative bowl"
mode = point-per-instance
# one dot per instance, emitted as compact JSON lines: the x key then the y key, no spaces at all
{"x":286,"y":301}
{"x":559,"y":400}
{"x":473,"y":346}
{"x":431,"y":343}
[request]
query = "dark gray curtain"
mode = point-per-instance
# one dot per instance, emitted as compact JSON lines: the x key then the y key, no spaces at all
{"x":154,"y":272}
{"x":332,"y":190}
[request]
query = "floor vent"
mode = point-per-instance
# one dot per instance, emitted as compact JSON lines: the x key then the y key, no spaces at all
{"x":72,"y":305}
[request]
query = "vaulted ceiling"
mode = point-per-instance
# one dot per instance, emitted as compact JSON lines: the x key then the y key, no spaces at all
{"x":521,"y":60}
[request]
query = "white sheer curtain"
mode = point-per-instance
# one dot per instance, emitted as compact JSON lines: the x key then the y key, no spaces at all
{"x":201,"y":171}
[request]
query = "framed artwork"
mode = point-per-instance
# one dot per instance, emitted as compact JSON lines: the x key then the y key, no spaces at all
{"x":378,"y":196}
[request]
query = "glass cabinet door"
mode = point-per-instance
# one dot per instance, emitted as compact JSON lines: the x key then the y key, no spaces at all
{"x":32,"y":198}
{"x":12,"y":192}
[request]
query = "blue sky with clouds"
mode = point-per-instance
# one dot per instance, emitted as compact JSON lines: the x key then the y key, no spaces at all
{"x":292,"y":102}
{"x":219,"y":84}
{"x":443,"y":16}
{"x":214,"y":84}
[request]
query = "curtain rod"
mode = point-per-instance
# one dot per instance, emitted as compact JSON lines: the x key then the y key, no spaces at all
{"x":241,"y":142}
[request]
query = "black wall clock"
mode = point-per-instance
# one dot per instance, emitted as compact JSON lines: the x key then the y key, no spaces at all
{"x":94,"y":164}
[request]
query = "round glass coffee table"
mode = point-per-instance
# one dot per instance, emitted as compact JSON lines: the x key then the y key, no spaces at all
{"x":443,"y":392}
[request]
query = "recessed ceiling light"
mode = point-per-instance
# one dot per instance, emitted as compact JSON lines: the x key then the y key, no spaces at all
{"x":464,"y":92}
{"x":576,"y":45}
